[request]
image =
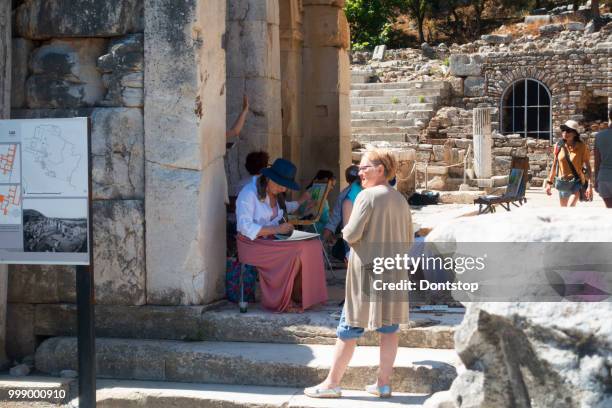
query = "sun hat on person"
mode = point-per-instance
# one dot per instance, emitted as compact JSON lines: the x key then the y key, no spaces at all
{"x":282,"y":172}
{"x":570,"y":125}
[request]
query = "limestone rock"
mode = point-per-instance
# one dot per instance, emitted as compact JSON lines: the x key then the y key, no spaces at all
{"x":118,"y":153}
{"x":437,"y":183}
{"x":497,"y":38}
{"x":379,"y":52}
{"x":466,"y":65}
{"x":428,"y":50}
{"x":551,"y":29}
{"x":442,"y":399}
{"x":575,"y":26}
{"x":44,"y":19}
{"x":65,"y":74}
{"x":123,"y":71}
{"x":21,"y":49}
{"x":545,"y":19}
{"x":559,"y":353}
{"x":474,"y":86}
{"x":119,"y":252}
{"x":533,"y":353}
{"x":20,"y":370}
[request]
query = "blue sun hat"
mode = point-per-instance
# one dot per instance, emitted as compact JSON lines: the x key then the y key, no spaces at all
{"x":282,"y":172}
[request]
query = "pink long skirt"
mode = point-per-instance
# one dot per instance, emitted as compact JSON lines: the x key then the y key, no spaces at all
{"x":279,"y":263}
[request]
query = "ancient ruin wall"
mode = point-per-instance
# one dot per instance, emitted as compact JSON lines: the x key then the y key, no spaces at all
{"x":69,"y":64}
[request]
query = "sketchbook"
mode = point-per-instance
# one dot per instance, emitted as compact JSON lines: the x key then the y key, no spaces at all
{"x":296,"y":236}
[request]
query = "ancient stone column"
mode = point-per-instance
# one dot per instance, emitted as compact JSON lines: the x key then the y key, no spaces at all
{"x":291,"y":41}
{"x":482,"y":143}
{"x":253,"y":68}
{"x":184,"y":118}
{"x":5,"y":112}
{"x":326,"y":77}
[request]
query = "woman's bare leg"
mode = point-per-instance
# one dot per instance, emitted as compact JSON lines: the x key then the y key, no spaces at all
{"x":296,"y":293}
{"x":575,"y":199}
{"x":563,"y":201}
{"x":343,"y":352}
{"x":388,"y":351}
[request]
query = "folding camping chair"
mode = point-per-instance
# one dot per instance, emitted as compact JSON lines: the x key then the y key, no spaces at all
{"x":515,"y":193}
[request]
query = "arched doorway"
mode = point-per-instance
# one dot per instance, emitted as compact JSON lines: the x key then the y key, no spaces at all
{"x":526,"y":109}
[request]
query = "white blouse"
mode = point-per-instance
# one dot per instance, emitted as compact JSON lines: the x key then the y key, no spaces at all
{"x":252,"y":215}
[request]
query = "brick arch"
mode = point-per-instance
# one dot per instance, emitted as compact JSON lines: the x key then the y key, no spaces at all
{"x":496,"y":86}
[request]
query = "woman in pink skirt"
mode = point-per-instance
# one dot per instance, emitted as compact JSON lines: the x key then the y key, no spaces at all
{"x":290,"y":272}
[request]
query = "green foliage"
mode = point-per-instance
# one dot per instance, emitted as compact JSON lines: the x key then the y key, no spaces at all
{"x":395,"y":100}
{"x":371,"y":22}
{"x":446,"y":62}
{"x":421,"y":99}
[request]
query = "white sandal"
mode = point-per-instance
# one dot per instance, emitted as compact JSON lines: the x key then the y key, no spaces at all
{"x":380,"y":391}
{"x":316,"y":392}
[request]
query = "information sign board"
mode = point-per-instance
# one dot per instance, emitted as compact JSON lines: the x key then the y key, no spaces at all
{"x":44,"y":191}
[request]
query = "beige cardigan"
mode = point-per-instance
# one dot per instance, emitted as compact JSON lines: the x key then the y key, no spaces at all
{"x":380,"y":226}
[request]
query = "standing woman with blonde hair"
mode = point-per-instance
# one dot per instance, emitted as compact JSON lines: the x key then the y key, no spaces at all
{"x":380,"y":226}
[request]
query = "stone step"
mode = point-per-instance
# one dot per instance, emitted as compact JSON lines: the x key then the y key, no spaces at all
{"x":386,"y":100}
{"x":194,"y":323}
{"x":288,"y":365}
{"x":382,"y":130}
{"x":226,"y":324}
{"x":357,"y":123}
{"x":413,"y":131}
{"x":388,"y":137}
{"x":395,"y":92}
{"x":393,"y":114}
{"x":62,"y":390}
{"x":393,"y":107}
{"x":137,"y":394}
{"x":402,"y":85}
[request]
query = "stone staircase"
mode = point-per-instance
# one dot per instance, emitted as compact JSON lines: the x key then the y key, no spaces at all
{"x":394,"y":112}
{"x":255,"y":359}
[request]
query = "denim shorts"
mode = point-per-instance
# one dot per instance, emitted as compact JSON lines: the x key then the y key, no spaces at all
{"x":346,"y":332}
{"x":567,"y":188}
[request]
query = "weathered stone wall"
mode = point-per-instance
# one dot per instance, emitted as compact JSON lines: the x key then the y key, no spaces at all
{"x":326,"y":106}
{"x":291,"y":42}
{"x":185,"y":181}
{"x":572,"y":76}
{"x":254,"y":69}
{"x":69,"y":64}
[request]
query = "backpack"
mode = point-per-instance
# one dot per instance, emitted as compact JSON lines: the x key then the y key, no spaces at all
{"x":232,"y":281}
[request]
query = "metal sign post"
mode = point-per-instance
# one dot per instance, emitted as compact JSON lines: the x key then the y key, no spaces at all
{"x":46,"y":214}
{"x":85,"y":307}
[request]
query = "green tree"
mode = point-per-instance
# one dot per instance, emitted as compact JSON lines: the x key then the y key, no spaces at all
{"x":418,"y":10}
{"x":371,"y":21}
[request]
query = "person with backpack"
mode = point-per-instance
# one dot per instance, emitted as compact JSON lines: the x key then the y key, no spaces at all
{"x":571,"y":167}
